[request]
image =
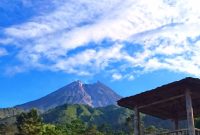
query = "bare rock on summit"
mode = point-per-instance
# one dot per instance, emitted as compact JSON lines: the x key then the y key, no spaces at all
{"x":94,"y":95}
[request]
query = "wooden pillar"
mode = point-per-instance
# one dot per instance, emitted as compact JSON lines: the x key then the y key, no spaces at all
{"x":189,"y":109}
{"x":136,"y":122}
{"x":176,"y":126}
{"x":139,"y":124}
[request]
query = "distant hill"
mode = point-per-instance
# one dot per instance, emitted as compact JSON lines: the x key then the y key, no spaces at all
{"x":8,"y":116}
{"x":9,"y":112}
{"x":94,"y":95}
{"x":112,"y":115}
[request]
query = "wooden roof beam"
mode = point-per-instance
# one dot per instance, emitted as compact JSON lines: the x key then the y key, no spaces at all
{"x":161,"y":101}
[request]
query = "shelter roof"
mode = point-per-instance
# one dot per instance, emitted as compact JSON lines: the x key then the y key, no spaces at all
{"x":167,"y":101}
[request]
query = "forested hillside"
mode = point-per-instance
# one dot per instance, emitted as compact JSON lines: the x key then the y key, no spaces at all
{"x":8,"y":112}
{"x":110,"y":115}
{"x":105,"y":120}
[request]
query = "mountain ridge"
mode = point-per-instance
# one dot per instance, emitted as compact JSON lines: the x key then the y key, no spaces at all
{"x":94,"y":95}
{"x":112,"y":115}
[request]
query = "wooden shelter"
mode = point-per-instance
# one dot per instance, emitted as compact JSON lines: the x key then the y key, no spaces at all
{"x":176,"y":101}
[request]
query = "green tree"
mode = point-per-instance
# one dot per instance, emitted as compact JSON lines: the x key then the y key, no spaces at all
{"x":2,"y":129}
{"x":7,"y":129}
{"x":197,"y":122}
{"x":76,"y":127}
{"x":92,"y":130}
{"x":29,"y":123}
{"x":151,"y":130}
{"x":129,"y":123}
{"x":49,"y":129}
{"x":106,"y":129}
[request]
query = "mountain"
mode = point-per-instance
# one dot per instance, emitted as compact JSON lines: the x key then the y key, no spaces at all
{"x":9,"y":112}
{"x":94,"y":95}
{"x":111,"y":115}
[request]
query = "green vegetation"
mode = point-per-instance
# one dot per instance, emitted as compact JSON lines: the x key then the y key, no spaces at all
{"x":113,"y":116}
{"x":29,"y":123}
{"x":7,"y":129}
{"x":104,"y":120}
{"x":71,"y":120}
{"x":9,"y":112}
{"x":197,"y":122}
{"x":79,"y":120}
{"x":49,"y":129}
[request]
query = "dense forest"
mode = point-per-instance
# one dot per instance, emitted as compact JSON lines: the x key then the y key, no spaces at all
{"x":31,"y":123}
{"x":77,"y":120}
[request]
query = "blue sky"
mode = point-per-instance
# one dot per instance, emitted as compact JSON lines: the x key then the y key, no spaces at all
{"x":45,"y":45}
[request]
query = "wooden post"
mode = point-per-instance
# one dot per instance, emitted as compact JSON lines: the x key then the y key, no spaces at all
{"x":139,"y":123}
{"x":136,"y":122}
{"x":176,"y":126}
{"x":189,"y":109}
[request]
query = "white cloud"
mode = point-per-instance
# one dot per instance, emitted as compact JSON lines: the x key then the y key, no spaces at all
{"x":131,"y":77}
{"x":90,"y":60}
{"x":70,"y":37}
{"x":6,"y":41}
{"x":116,"y":76}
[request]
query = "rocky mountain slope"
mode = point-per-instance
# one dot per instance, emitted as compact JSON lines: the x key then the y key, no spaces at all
{"x":9,"y":112}
{"x":94,"y":95}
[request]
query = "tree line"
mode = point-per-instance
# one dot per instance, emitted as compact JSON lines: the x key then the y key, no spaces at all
{"x":30,"y":123}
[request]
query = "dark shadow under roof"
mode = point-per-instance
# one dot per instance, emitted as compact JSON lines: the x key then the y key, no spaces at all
{"x":167,"y":101}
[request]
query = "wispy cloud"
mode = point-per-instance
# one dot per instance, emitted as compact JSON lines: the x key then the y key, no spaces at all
{"x":3,"y":52}
{"x":143,"y":36}
{"x":116,"y":76}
